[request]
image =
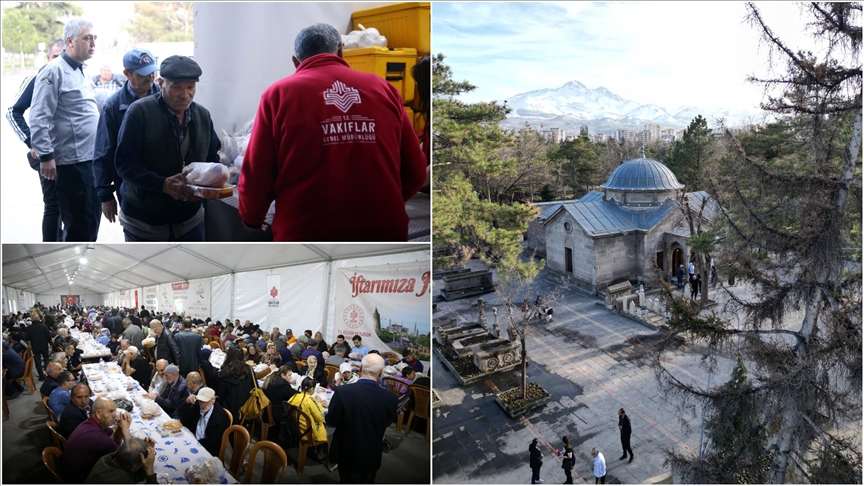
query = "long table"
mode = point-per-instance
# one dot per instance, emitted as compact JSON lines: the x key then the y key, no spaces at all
{"x":175,"y":452}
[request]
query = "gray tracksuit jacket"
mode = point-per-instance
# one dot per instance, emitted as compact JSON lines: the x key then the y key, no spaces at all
{"x":64,"y":114}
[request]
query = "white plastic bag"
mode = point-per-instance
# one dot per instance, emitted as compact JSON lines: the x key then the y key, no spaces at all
{"x":207,"y":174}
{"x":364,"y":38}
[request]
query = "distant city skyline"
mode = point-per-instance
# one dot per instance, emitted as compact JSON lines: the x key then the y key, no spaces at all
{"x":672,"y":54}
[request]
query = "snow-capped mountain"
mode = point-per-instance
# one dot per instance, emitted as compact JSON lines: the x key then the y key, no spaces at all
{"x":574,"y":105}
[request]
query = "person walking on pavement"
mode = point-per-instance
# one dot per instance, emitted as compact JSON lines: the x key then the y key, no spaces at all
{"x":568,"y":461}
{"x":599,"y":466}
{"x":624,"y":427}
{"x":536,"y":462}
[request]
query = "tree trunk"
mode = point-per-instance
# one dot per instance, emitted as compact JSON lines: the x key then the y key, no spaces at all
{"x":524,"y":367}
{"x":791,"y":420}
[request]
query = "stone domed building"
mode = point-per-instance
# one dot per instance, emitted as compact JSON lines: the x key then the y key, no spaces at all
{"x":622,"y":232}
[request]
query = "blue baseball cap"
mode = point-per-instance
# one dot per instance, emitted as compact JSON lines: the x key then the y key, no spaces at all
{"x":140,"y":61}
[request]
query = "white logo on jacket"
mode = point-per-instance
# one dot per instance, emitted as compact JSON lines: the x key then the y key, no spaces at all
{"x":341,"y":96}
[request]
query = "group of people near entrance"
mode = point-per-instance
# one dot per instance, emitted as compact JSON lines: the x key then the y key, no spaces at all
{"x":126,"y":157}
{"x":568,"y":459}
{"x":100,"y":447}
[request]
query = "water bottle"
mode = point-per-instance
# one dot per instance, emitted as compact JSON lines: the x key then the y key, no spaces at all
{"x":101,"y":364}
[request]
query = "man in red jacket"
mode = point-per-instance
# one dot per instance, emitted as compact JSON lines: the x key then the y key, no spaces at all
{"x":335,"y":149}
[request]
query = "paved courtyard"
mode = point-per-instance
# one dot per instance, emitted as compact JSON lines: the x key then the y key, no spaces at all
{"x":592,"y":362}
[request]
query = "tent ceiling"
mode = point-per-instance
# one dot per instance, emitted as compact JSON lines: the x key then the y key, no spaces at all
{"x":42,"y":268}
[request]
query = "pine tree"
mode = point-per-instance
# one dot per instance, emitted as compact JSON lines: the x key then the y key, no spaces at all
{"x":790,"y":194}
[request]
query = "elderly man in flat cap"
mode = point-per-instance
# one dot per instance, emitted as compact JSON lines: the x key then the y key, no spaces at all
{"x":160,"y":135}
{"x":173,"y":393}
{"x":140,"y":71}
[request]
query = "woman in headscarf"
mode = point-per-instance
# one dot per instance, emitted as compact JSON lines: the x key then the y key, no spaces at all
{"x":318,"y":373}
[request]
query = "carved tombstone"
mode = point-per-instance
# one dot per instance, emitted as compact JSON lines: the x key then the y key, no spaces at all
{"x":632,"y":308}
{"x":482,"y":310}
{"x":641,"y":294}
{"x":496,"y":331}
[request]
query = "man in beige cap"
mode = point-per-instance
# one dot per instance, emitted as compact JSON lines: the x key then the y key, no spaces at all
{"x":207,"y":422}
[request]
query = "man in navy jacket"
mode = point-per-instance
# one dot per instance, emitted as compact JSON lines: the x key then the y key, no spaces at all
{"x":361,"y":414}
{"x":140,"y":71}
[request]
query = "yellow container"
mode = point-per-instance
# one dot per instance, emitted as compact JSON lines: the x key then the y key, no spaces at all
{"x":392,"y":65}
{"x":403,"y":24}
{"x":416,"y":120}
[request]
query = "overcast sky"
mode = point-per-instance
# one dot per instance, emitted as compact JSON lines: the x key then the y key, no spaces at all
{"x":666,"y":53}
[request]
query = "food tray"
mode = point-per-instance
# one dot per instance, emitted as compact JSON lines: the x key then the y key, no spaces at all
{"x":226,"y":190}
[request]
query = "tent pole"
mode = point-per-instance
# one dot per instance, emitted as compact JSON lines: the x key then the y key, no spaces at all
{"x":327,"y":325}
{"x":233,"y":294}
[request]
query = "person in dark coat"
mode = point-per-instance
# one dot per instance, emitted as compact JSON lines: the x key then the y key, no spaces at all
{"x":361,"y":414}
{"x":166,"y":347}
{"x":50,"y":383}
{"x":624,"y":427}
{"x":211,"y":376}
{"x":12,"y":362}
{"x":536,"y":461}
{"x":174,"y":391}
{"x":288,"y":358}
{"x":40,"y":343}
{"x":235,"y":382}
{"x":680,"y":277}
{"x":278,"y":390}
{"x":206,"y":409}
{"x":76,"y":411}
{"x":189,"y":343}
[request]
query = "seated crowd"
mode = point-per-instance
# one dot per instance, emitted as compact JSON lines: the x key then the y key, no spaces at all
{"x":100,"y":447}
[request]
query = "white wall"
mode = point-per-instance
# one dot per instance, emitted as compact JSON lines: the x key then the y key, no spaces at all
{"x":243,"y":48}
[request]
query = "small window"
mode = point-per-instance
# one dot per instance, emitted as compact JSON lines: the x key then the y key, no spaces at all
{"x":568,"y":227}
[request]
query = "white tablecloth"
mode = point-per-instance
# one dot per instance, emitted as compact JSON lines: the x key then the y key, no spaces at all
{"x":175,"y":452}
{"x":89,"y":347}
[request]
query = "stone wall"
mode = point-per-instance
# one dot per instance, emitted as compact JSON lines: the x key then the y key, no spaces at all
{"x":616,"y":258}
{"x":535,"y":238}
{"x":557,"y":238}
{"x":656,"y":238}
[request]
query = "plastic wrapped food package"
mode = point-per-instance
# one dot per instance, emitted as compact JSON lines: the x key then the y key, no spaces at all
{"x":234,"y":145}
{"x":207,"y":174}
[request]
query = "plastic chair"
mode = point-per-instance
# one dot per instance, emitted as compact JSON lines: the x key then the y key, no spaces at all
{"x":263,"y":426}
{"x":421,"y":408}
{"x":307,"y":438}
{"x":28,"y":373}
{"x":201,"y":373}
{"x":393,"y":386}
{"x":300,"y":364}
{"x":59,"y":440}
{"x":241,"y":442}
{"x":51,"y":415}
{"x":217,"y":344}
{"x":390,"y":357}
{"x":51,"y":457}
{"x":275,"y":462}
{"x":331,"y":372}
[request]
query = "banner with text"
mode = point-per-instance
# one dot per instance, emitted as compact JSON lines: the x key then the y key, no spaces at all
{"x":191,"y":297}
{"x":387,"y":305}
{"x":274,"y":287}
{"x":150,"y":301}
{"x":22,"y":301}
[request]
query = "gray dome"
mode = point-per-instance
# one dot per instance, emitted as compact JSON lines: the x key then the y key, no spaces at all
{"x":642,"y":174}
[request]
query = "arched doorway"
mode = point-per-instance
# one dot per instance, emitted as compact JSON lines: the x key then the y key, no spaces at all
{"x":568,"y":256}
{"x":677,"y":257}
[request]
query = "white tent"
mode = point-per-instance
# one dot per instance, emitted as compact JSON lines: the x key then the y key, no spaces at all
{"x":203,"y":280}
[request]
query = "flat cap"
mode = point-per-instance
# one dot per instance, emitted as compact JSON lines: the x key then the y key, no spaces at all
{"x":180,"y":68}
{"x":172,"y":369}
